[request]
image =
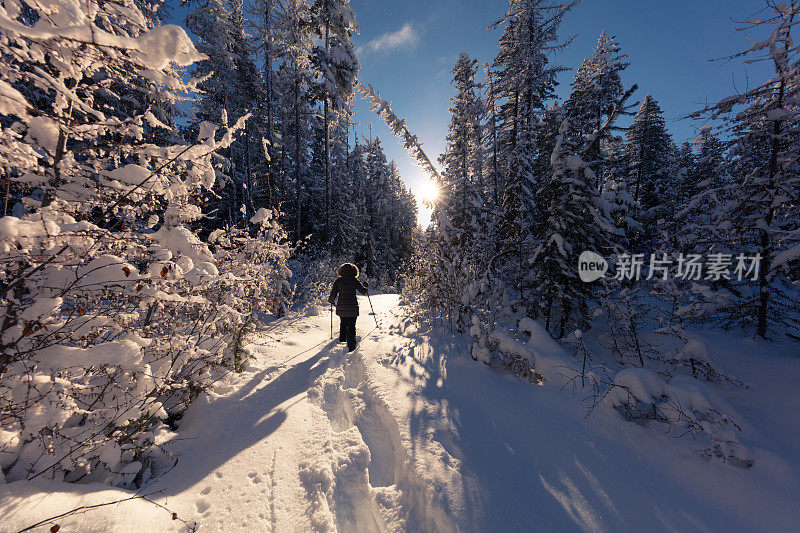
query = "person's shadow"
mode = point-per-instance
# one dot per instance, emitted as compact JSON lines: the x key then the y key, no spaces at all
{"x":212,"y":433}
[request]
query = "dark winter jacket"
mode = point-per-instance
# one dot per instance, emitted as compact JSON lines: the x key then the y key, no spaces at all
{"x":345,"y":288}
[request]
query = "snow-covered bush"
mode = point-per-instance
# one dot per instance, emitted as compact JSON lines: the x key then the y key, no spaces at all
{"x":315,"y":273}
{"x":113,"y":313}
{"x":686,"y":405}
{"x":256,"y":263}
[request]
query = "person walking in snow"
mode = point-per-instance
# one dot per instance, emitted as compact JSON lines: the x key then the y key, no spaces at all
{"x":345,"y":288}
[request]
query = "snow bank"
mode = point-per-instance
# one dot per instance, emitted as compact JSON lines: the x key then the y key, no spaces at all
{"x":683,"y":402}
{"x":551,"y":359}
{"x":29,"y":502}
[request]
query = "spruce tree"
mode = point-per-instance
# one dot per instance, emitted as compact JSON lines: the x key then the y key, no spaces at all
{"x":596,"y":94}
{"x":574,"y":221}
{"x":648,"y":149}
{"x":759,"y":204}
{"x":525,"y":82}
{"x":335,"y":61}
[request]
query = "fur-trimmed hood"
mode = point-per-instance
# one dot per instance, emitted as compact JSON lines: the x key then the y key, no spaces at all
{"x":348,"y":270}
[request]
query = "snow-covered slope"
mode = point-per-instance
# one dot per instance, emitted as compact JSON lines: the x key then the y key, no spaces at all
{"x":407,"y":434}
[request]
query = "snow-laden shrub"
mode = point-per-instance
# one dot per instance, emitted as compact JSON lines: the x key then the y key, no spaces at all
{"x":643,"y":327}
{"x":527,"y":350}
{"x":111,"y":334}
{"x":247,"y":255}
{"x":314,"y":274}
{"x":113,"y":313}
{"x":686,"y":405}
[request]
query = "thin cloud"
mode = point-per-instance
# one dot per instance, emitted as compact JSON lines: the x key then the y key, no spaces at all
{"x":405,"y":37}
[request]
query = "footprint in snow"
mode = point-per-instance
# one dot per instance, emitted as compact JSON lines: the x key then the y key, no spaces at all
{"x":202,"y":506}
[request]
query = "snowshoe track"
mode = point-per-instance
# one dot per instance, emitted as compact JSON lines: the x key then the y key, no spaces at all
{"x":368,"y":482}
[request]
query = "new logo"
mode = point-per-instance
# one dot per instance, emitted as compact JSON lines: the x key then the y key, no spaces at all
{"x":591,"y":266}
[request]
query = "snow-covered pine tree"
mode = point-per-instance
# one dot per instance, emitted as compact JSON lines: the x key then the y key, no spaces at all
{"x":334,"y":59}
{"x":526,"y":81}
{"x":574,"y":222}
{"x":358,"y":198}
{"x":760,"y":202}
{"x":315,"y":222}
{"x":461,"y":191}
{"x":648,"y":150}
{"x":700,"y":193}
{"x":344,"y":213}
{"x":685,"y":162}
{"x":709,"y":167}
{"x":295,"y":77}
{"x":402,"y":217}
{"x":376,"y":251}
{"x":596,"y":93}
{"x":231,"y":88}
{"x":494,"y":170}
{"x":460,"y":214}
{"x":262,"y":21}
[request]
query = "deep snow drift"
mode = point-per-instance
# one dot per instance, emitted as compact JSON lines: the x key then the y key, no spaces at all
{"x":410,"y":434}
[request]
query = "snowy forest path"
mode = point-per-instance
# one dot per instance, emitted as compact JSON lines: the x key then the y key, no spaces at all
{"x":408,"y":433}
{"x":306,"y":439}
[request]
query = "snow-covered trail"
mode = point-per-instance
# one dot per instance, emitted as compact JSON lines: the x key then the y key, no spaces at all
{"x":304,"y":440}
{"x":408,"y":434}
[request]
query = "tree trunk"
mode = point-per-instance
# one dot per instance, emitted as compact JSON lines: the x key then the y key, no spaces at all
{"x":298,"y":188}
{"x":248,"y":163}
{"x":566,"y":309}
{"x":766,"y":240}
{"x":326,"y":124}
{"x":268,"y":83}
{"x":495,"y":166}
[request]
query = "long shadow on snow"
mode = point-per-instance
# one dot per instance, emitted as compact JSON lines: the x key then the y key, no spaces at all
{"x":240,"y":420}
{"x":529,"y":460}
{"x":461,"y":399}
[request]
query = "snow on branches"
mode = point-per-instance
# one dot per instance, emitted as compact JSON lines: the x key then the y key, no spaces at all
{"x":398,"y":126}
{"x":113,"y":312}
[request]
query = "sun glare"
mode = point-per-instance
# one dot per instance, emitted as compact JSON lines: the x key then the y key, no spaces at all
{"x":429,"y":191}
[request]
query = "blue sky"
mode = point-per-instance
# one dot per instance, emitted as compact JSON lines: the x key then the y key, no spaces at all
{"x":408,"y":47}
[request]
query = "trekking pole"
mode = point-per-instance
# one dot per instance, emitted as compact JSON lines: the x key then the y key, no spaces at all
{"x":373,"y":311}
{"x":331,"y":321}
